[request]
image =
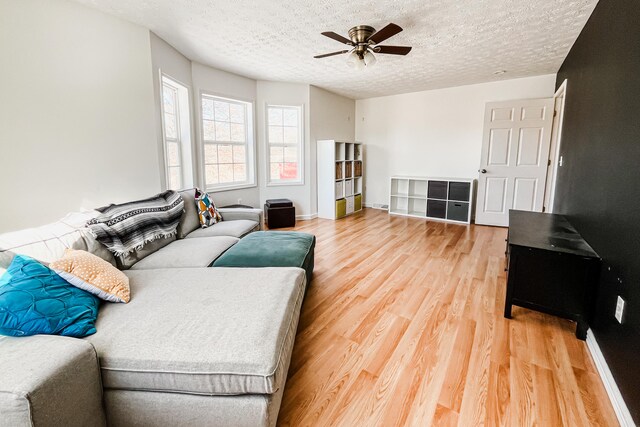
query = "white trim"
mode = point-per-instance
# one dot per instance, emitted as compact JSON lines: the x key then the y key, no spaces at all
{"x":556,"y":141}
{"x":620,"y":408}
{"x":251,"y":154}
{"x":373,"y":206}
{"x":307,"y":217}
{"x":186,"y":136}
{"x":230,"y":188}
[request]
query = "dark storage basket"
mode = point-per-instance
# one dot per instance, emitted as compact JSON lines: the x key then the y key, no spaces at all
{"x":437,"y":208}
{"x":460,"y":191}
{"x":437,"y":190}
{"x":458,"y":211}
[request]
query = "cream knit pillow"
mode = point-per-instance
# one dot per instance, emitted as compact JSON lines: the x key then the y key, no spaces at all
{"x":92,"y":274}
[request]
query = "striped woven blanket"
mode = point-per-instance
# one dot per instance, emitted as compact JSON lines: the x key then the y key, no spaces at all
{"x":129,"y":226}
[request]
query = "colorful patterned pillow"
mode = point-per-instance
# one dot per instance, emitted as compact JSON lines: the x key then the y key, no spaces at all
{"x":92,"y":274}
{"x":35,"y":300}
{"x":207,"y":211}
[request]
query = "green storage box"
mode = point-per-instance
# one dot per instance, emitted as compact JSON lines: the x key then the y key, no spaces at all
{"x":357,"y":202}
{"x":341,"y":208}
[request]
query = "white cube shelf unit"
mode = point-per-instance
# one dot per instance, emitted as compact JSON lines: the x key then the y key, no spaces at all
{"x":340,"y":175}
{"x":445,"y":199}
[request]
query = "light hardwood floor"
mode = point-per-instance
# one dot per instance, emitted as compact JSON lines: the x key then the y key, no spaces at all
{"x":402,"y":326}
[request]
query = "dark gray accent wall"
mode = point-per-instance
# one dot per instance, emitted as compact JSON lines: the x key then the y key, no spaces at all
{"x":599,"y":185}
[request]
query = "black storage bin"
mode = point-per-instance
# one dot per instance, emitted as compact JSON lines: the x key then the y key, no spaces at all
{"x":279,"y":213}
{"x":458,"y":211}
{"x":437,"y":190}
{"x":459,"y":191}
{"x":437,"y":208}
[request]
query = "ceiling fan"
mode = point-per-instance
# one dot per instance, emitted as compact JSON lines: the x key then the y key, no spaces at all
{"x":364,"y":41}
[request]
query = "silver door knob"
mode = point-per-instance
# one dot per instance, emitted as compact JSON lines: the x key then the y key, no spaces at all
{"x":482,"y":171}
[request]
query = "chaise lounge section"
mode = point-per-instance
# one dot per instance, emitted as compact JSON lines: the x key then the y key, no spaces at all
{"x":221,"y":357}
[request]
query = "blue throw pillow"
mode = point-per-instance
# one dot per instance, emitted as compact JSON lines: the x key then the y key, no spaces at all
{"x":35,"y":300}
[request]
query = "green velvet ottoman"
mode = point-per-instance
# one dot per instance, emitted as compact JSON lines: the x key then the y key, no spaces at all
{"x":271,"y":249}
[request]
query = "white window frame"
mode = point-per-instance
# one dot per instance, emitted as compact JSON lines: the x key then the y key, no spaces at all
{"x":300,"y":179}
{"x":183,"y":130}
{"x":249,"y":144}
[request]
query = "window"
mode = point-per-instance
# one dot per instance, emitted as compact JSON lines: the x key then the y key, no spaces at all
{"x":284,"y":140}
{"x":176,"y":133}
{"x":172,"y":140}
{"x":227,"y":140}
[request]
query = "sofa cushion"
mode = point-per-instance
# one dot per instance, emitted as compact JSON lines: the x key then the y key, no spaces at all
{"x":49,"y":381}
{"x":229,"y":331}
{"x":238,"y":228}
{"x":187,"y":253}
{"x":125,"y":262}
{"x":189,"y":220}
{"x":48,"y":242}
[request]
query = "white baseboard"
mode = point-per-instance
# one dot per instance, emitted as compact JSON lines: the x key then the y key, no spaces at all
{"x":375,"y":206}
{"x":306,"y":217}
{"x":620,"y":408}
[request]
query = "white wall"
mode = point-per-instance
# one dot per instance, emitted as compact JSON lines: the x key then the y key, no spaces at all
{"x":76,"y":113}
{"x":332,"y":117}
{"x":220,"y":83}
{"x":284,"y":94}
{"x":432,"y":133}
{"x":168,"y":61}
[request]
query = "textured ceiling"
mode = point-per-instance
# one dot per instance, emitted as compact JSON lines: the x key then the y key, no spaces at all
{"x":455,"y":42}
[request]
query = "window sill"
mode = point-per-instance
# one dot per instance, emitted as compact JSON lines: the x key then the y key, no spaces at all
{"x":230,"y":188}
{"x":285,"y":183}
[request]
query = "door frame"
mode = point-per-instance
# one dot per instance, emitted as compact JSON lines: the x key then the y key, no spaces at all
{"x":554,"y":149}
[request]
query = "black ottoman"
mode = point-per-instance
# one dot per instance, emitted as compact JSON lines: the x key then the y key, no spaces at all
{"x":279,"y":213}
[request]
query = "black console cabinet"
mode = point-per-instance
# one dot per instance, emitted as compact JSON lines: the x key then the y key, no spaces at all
{"x":551,"y":268}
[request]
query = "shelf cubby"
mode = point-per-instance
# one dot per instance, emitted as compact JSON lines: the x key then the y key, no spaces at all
{"x":357,"y":152}
{"x":417,"y":189}
{"x":399,"y":205}
{"x":349,"y":150}
{"x":417,"y":207}
{"x":357,"y":186}
{"x":399,"y":187}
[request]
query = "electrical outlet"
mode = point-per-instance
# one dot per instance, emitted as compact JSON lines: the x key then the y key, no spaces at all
{"x":239,"y":201}
{"x":620,"y":309}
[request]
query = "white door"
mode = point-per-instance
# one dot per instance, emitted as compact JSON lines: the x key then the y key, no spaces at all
{"x":515,"y":153}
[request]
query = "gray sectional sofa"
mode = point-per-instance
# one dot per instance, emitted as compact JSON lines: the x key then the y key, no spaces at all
{"x":195,"y":345}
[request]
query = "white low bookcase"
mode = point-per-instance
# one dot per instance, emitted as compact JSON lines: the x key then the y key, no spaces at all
{"x":445,"y":199}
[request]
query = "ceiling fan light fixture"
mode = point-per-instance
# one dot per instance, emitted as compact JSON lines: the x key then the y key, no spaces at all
{"x":369,"y":59}
{"x":352,"y":59}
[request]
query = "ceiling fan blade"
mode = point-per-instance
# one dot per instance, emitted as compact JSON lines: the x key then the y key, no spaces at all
{"x":383,"y":34}
{"x":393,"y":50}
{"x":337,"y":37}
{"x":331,"y":54}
